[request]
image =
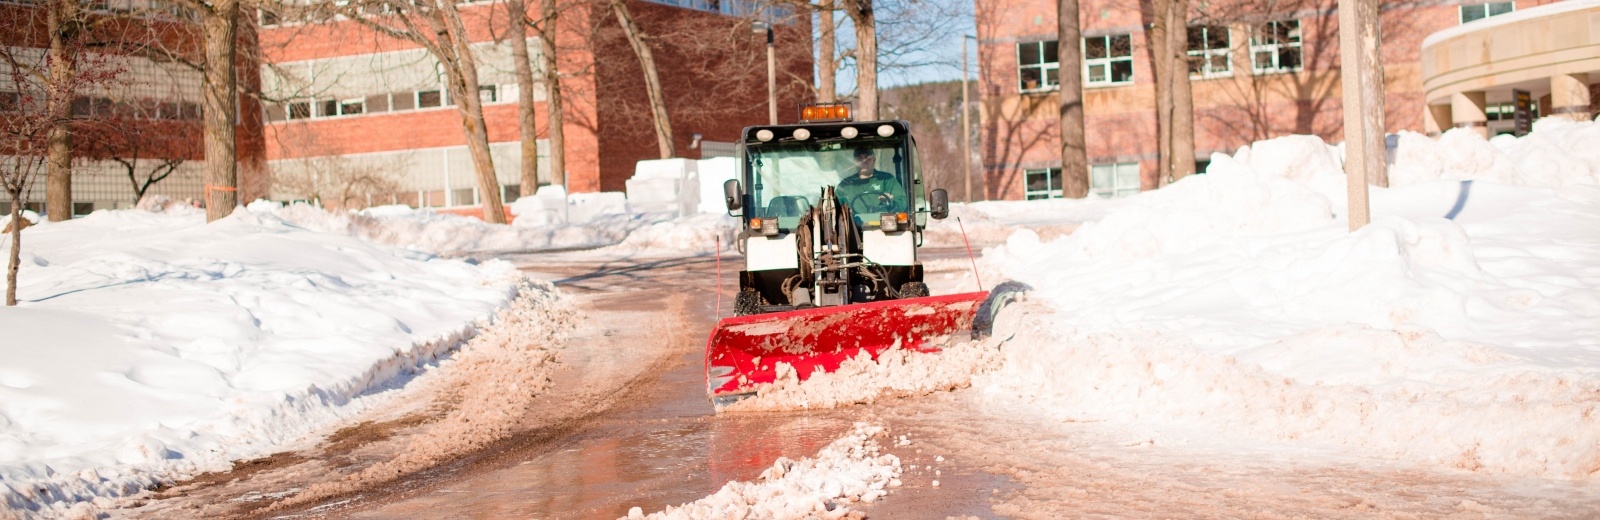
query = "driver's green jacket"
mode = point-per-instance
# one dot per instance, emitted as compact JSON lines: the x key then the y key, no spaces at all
{"x":881,"y":182}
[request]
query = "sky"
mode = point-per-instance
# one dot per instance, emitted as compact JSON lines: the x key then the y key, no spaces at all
{"x":936,"y":26}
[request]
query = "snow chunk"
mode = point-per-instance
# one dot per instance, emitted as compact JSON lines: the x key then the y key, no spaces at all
{"x":847,"y":471}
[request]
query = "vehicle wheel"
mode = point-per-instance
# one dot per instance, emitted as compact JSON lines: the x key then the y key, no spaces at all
{"x":747,"y":302}
{"x":913,"y":290}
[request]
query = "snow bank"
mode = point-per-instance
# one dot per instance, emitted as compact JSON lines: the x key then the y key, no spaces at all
{"x":1559,"y":153}
{"x":150,"y":346}
{"x":846,"y":471}
{"x":1237,"y":303}
{"x":441,"y":233}
{"x":696,"y":234}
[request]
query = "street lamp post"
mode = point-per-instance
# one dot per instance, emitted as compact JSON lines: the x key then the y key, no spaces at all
{"x":966,"y":125}
{"x":772,"y":73}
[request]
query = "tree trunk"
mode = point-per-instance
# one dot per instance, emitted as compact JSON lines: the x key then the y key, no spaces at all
{"x":1182,"y":127}
{"x":866,"y":23}
{"x":518,"y":33}
{"x":219,"y":104}
{"x":1074,"y":152}
{"x":1159,"y":41}
{"x":552,"y":89}
{"x":63,"y":25}
{"x":464,"y":86}
{"x":652,"y":81}
{"x":826,"y":53}
{"x":16,"y":249}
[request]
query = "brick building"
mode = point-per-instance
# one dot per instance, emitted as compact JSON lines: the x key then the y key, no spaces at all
{"x":1257,"y":72}
{"x":147,"y":117}
{"x":341,"y":98}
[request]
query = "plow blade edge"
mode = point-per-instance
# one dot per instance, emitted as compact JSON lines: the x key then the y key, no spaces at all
{"x":745,"y":351}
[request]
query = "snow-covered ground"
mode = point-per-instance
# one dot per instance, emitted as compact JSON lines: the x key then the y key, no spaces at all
{"x":1461,"y":329}
{"x":1239,"y":303}
{"x":151,"y":345}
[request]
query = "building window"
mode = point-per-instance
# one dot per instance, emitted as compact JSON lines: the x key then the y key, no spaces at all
{"x":1042,"y":184}
{"x":1108,"y":60}
{"x":1275,"y":47}
{"x":1508,"y":111}
{"x":1109,"y":181}
{"x":1208,"y":52}
{"x":1474,"y":12}
{"x":328,"y":108}
{"x":350,"y":107}
{"x":428,"y":99}
{"x":488,"y":94}
{"x":300,"y":110}
{"x":269,"y":18}
{"x":403,"y":101}
{"x":1037,"y":64}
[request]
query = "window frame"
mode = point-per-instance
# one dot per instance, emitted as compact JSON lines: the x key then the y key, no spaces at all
{"x":1117,"y":189}
{"x":1276,"y":48}
{"x":1461,"y":11}
{"x":1206,"y":52}
{"x":1051,"y":191}
{"x":1047,"y":69}
{"x":1108,"y":62}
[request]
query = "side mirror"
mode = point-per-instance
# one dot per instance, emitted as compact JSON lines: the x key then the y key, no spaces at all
{"x":732,"y":195}
{"x":939,"y":203}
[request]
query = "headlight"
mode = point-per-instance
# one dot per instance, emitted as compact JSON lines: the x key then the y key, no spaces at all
{"x":887,"y":223}
{"x":849,"y":132}
{"x":764,"y":135}
{"x":801,"y":134}
{"x":769,"y":227}
{"x":885,"y":131}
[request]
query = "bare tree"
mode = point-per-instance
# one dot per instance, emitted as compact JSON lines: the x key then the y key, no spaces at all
{"x":65,"y":21}
{"x":1167,"y":43}
{"x":438,"y":28}
{"x":147,"y":147}
{"x":652,"y":81}
{"x":1074,"y":151}
{"x":549,"y":16}
{"x":219,"y":30}
{"x":517,"y":32}
{"x":827,"y":52}
{"x":28,"y":120}
{"x":338,"y":183}
{"x":866,"y":56}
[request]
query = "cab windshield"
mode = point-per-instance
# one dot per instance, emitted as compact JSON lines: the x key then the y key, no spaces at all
{"x":872,"y":176}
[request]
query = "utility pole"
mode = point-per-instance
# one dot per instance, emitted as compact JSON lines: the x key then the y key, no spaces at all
{"x":1362,"y":80}
{"x":772,"y":74}
{"x":966,"y":125}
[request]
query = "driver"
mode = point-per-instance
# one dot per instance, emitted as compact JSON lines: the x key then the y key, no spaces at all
{"x":866,"y":189}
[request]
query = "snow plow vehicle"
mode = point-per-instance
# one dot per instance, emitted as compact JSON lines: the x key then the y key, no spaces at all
{"x":833,"y":212}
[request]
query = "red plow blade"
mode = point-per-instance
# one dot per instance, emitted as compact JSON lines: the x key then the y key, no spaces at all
{"x":744,"y":351}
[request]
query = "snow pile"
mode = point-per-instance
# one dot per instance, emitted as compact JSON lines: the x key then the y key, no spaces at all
{"x":1559,"y":153}
{"x":425,"y":230}
{"x":696,"y":234}
{"x":1236,"y":304}
{"x":150,"y":346}
{"x":847,"y":471}
{"x":987,"y":223}
{"x":896,"y":373}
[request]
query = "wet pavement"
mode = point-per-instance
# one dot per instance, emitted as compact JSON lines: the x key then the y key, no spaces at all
{"x":662,"y":444}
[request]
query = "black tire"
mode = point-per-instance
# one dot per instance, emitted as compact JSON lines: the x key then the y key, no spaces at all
{"x":747,"y":302}
{"x":913,"y":290}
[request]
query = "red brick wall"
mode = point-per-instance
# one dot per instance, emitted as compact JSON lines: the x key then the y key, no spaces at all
{"x":713,"y":71}
{"x":607,"y":126}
